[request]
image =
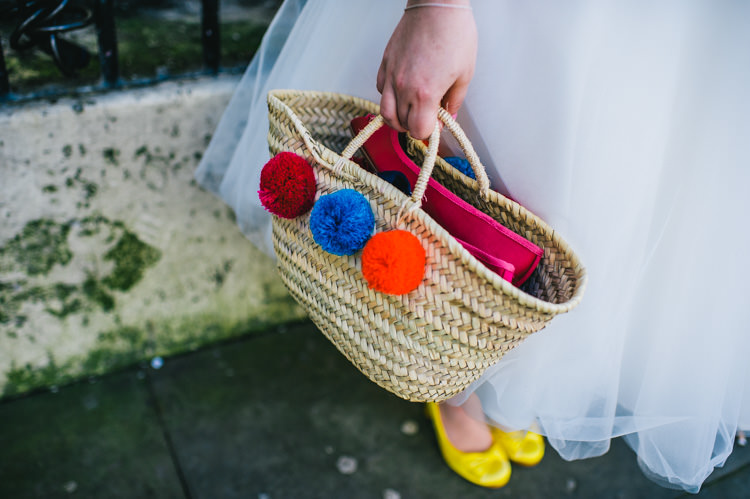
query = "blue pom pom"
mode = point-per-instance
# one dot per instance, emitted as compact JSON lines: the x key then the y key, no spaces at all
{"x":397,"y":179}
{"x":461,"y":165}
{"x":342,"y":222}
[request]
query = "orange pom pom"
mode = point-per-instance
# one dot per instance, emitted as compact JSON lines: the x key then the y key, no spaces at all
{"x":393,"y":262}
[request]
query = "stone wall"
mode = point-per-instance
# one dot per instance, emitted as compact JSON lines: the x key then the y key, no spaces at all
{"x":110,"y":254}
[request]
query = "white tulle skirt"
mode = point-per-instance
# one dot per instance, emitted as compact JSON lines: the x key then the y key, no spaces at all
{"x":626,"y":126}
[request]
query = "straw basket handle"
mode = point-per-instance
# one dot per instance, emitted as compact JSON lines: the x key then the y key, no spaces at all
{"x":429,"y":161}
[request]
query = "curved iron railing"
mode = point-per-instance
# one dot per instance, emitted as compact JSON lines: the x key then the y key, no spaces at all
{"x":42,"y":22}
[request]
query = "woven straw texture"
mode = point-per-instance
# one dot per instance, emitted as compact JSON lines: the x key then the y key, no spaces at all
{"x":431,"y":343}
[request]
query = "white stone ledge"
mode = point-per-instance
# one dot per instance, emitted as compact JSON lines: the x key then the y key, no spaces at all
{"x":109,"y":252}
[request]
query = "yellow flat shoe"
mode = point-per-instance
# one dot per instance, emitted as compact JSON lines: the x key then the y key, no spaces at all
{"x":490,"y":468}
{"x":522,"y":447}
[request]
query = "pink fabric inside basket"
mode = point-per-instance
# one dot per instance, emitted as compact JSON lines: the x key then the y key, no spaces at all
{"x":511,"y":256}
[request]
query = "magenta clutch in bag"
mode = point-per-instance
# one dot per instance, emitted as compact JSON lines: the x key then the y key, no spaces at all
{"x":506,"y":253}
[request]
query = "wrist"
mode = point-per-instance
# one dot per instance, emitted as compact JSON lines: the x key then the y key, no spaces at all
{"x":449,"y":4}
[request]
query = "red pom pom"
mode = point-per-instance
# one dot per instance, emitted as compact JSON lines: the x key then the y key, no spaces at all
{"x":393,"y":262}
{"x":287,"y":185}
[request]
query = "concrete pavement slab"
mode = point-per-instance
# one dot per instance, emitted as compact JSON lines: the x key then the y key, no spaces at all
{"x":100,"y":439}
{"x":280,"y":415}
{"x":285,"y":415}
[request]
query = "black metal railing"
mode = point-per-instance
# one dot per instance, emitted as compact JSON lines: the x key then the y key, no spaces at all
{"x":41,"y":23}
{"x":106,"y":36}
{"x":210,"y":34}
{"x":4,"y":83}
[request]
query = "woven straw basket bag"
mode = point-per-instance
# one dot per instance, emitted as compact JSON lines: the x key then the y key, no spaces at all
{"x":432,"y":343}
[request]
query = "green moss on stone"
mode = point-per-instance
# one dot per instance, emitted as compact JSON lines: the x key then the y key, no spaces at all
{"x":115,"y":349}
{"x":5,"y":291}
{"x":63,"y":291}
{"x":112,"y":156}
{"x":91,"y":225}
{"x":59,"y":300}
{"x":90,"y":189}
{"x":131,"y":257}
{"x":23,"y":379}
{"x":66,"y":297}
{"x":129,"y":345}
{"x":41,"y":245}
{"x":220,"y":274}
{"x":12,"y":297}
{"x":68,"y":307}
{"x":95,"y":292}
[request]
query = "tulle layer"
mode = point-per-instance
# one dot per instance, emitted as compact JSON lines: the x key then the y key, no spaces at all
{"x":624,"y":125}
